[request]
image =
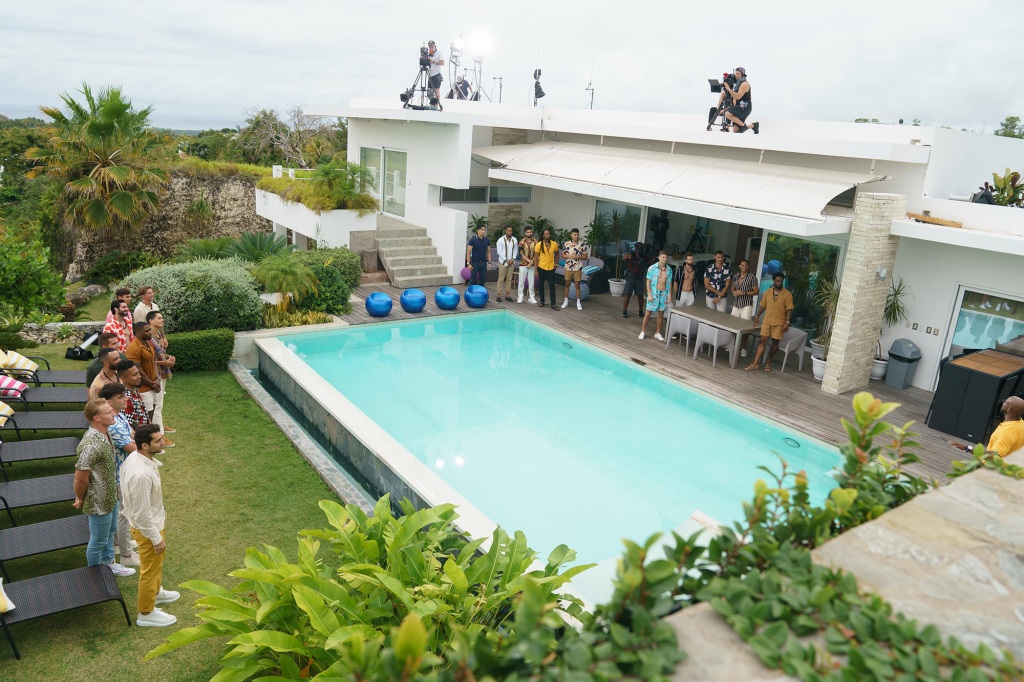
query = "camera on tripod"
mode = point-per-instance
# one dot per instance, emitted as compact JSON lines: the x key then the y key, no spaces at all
{"x":727,"y":78}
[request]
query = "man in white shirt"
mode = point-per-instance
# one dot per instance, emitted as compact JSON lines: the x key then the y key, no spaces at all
{"x":508,"y":252}
{"x":146,"y":305}
{"x":144,"y":507}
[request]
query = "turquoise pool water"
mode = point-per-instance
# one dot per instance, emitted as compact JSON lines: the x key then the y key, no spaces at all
{"x":551,"y":436}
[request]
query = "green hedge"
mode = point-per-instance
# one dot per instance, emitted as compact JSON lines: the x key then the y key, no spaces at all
{"x":205,"y":294}
{"x":338,"y":272}
{"x":207,"y":349}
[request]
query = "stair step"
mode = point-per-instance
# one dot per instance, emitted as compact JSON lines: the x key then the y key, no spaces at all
{"x":415,"y":270}
{"x":404,"y":251}
{"x":421,"y":281}
{"x":393,"y":242}
{"x":418,"y":259}
{"x":393,"y":232}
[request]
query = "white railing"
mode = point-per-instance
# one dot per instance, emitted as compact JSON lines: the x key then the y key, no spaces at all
{"x":290,"y":173}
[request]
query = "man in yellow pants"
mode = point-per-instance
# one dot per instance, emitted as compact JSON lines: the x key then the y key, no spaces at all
{"x":144,"y":507}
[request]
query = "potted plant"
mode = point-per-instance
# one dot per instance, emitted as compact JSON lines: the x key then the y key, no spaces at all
{"x":894,"y":313}
{"x":826,"y":296}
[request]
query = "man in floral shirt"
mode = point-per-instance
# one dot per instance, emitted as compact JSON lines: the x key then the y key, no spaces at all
{"x":96,"y":487}
{"x":717,"y":279}
{"x":120,"y":324}
{"x":122,"y":437}
{"x":134,"y":409}
{"x":575,"y":253}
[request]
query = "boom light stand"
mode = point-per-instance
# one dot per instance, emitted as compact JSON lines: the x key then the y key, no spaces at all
{"x":538,"y":91}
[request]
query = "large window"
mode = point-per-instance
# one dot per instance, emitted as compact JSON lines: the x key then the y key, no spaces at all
{"x":511,"y":194}
{"x":630,"y":215}
{"x":985,"y":321}
{"x":805,"y":263}
{"x":370,"y":158}
{"x":473,"y":195}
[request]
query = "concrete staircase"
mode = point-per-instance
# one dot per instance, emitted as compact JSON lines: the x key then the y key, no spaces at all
{"x":409,"y":257}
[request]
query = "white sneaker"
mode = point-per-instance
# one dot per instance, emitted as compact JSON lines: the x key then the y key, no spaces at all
{"x":121,"y":571}
{"x":155,"y":619}
{"x":134,"y":544}
{"x":132,"y":560}
{"x":579,"y":305}
{"x":984,"y":306}
{"x":533,"y":300}
{"x":642,"y":335}
{"x":166,"y":596}
{"x":658,"y":336}
{"x":520,"y":299}
{"x":565,"y":303}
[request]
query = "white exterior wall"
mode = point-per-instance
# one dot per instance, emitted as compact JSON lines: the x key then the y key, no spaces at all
{"x":962,"y":161}
{"x":330,"y":227}
{"x":934,"y":272}
{"x":437,"y":155}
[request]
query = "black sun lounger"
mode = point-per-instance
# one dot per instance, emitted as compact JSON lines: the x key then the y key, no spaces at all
{"x":47,"y":376}
{"x":57,"y":593}
{"x":42,"y":395}
{"x":44,"y":421}
{"x":39,"y":538}
{"x":35,"y":450}
{"x":31,"y":492}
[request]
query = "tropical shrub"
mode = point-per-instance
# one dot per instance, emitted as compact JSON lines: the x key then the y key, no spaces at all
{"x":204,"y":294}
{"x":200,"y":168}
{"x":255,"y":246}
{"x":26,"y":280}
{"x":115,"y":265}
{"x":317,"y":197}
{"x":201,"y":350}
{"x":338,"y":272}
{"x":199,"y":212}
{"x":210,"y":248}
{"x":285,"y":275}
{"x":14,"y":341}
{"x":274,"y":317}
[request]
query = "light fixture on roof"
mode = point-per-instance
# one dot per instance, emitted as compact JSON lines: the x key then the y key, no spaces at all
{"x":456,"y":48}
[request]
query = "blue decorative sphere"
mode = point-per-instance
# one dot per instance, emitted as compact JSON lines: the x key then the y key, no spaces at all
{"x":584,"y":287}
{"x":413,"y":300}
{"x":447,"y":298}
{"x":378,"y":304}
{"x":771,"y":267}
{"x":476,"y":296}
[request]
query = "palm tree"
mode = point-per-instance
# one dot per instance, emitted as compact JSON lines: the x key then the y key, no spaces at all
{"x":213,"y":248}
{"x":107,"y":155}
{"x":284,"y":274}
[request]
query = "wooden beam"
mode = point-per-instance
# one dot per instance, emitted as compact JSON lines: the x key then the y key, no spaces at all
{"x":933,"y":221}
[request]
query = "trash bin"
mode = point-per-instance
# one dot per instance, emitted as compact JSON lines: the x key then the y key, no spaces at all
{"x":903,"y":358}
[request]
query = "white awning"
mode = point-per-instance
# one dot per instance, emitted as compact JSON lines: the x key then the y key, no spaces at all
{"x":789,"y":191}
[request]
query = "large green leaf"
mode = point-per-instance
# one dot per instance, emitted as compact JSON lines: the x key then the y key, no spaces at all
{"x":187,"y":636}
{"x":268,"y":639}
{"x":321,"y":618}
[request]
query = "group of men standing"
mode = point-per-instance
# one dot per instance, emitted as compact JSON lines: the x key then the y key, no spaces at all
{"x":536,"y":260}
{"x":117,"y":477}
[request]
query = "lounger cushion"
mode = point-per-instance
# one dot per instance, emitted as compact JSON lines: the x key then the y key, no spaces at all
{"x":11,"y":386}
{"x":5,"y":412}
{"x":17,"y":361}
{"x":5,"y":603}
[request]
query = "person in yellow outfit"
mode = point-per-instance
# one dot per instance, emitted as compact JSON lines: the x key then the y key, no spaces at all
{"x":1009,"y":435}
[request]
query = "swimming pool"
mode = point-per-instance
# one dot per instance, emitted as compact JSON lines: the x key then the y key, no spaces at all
{"x":546,"y":434}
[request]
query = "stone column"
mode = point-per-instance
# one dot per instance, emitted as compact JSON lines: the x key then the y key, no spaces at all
{"x":862,"y":293}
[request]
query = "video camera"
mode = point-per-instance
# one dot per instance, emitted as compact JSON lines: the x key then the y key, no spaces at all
{"x":424,"y":59}
{"x":727,"y":78}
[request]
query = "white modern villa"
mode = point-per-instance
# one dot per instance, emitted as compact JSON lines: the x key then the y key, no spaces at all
{"x":822,"y":199}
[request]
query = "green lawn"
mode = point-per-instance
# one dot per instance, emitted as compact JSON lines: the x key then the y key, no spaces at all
{"x":232,"y":482}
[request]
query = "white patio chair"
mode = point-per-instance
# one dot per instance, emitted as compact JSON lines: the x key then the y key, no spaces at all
{"x":716,"y":338}
{"x":793,"y":341}
{"x":686,"y":327}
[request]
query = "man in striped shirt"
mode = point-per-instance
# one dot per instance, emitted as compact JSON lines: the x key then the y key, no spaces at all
{"x":744,"y":289}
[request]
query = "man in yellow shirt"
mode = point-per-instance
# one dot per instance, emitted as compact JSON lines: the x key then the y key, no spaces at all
{"x":777,"y":306}
{"x":1009,"y":435}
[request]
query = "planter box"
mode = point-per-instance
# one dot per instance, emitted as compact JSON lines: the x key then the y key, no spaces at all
{"x":332,"y":228}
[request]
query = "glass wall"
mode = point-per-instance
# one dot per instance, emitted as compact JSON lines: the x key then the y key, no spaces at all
{"x":805,"y":263}
{"x":394,"y":182}
{"x":630,"y":216}
{"x":985,"y":321}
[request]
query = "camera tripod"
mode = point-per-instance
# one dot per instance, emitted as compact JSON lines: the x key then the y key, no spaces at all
{"x":697,"y":243}
{"x":715,"y":112}
{"x":420,"y":84}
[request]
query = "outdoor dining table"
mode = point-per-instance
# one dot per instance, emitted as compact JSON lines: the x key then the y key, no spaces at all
{"x":730,"y":323}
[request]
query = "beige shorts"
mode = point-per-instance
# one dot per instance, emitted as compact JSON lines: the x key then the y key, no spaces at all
{"x":573,"y":276}
{"x":772,"y":330}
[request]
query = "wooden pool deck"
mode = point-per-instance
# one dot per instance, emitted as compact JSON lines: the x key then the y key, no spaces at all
{"x":793,"y":399}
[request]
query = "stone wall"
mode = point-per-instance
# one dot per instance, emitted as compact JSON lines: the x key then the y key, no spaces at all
{"x":232,"y":200}
{"x":862,"y":294}
{"x":503,"y":136}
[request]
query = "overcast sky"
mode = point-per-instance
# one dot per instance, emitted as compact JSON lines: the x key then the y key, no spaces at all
{"x":203,"y":64}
